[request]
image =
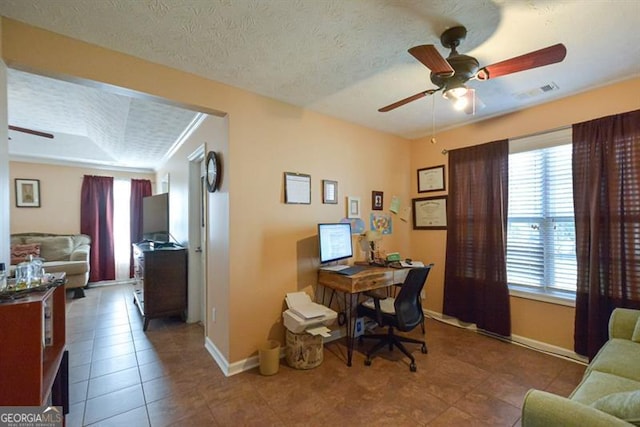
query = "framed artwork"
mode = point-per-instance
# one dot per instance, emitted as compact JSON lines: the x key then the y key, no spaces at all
{"x":431,"y":179}
{"x":27,"y":193}
{"x":377,"y":200}
{"x":430,"y":213}
{"x":353,"y":207}
{"x":329,"y":192}
{"x":297,"y":188}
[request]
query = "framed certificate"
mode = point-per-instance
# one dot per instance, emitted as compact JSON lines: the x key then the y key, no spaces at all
{"x":297,"y":188}
{"x":431,"y":179}
{"x":430,"y":213}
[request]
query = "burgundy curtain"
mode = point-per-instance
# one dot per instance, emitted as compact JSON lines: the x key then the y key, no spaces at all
{"x":475,"y":288}
{"x":96,"y":220}
{"x":140,"y":188}
{"x":606,"y":191}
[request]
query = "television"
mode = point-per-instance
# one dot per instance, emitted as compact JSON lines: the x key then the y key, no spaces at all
{"x":155,"y":218}
{"x":334,"y":242}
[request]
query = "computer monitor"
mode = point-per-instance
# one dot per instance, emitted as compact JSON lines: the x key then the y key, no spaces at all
{"x":334,"y":242}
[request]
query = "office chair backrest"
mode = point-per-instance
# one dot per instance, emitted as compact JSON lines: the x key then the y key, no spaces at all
{"x":408,"y":308}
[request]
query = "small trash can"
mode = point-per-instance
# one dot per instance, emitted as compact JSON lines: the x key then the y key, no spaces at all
{"x":303,"y":351}
{"x":269,"y":355}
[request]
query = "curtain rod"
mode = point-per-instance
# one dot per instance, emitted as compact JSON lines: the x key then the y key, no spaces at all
{"x":445,"y":151}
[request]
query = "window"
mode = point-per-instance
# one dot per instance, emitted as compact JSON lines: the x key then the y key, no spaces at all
{"x":541,"y":233}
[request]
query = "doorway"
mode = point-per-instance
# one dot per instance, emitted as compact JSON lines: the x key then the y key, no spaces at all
{"x":197,"y":294}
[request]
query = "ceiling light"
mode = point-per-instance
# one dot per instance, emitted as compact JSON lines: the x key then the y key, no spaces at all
{"x":455,"y":92}
{"x":460,"y":103}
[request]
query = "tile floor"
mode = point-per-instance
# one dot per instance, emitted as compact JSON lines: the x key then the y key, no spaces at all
{"x":122,"y":376}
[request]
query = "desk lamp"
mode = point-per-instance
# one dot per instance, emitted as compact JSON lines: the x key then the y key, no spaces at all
{"x":368,"y":243}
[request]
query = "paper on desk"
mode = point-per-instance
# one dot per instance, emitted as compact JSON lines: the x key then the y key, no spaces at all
{"x":413,"y":264}
{"x":320,"y":330}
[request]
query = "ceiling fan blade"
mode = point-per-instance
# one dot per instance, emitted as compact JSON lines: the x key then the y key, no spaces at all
{"x":31,"y":132}
{"x":538,"y":58}
{"x":431,"y":58}
{"x":407,"y":100}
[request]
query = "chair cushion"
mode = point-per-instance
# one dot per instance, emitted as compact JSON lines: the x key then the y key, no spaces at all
{"x":69,"y":267}
{"x":386,"y":305}
{"x":19,"y":253}
{"x":624,"y":405}
{"x":618,"y":357}
{"x":636,"y":332}
{"x":53,"y":248}
{"x":596,"y":385}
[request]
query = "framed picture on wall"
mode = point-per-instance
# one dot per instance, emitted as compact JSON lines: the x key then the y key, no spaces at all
{"x":329,"y":192}
{"x":431,"y":179}
{"x":353,"y":207}
{"x":430,"y":213}
{"x":27,"y":193}
{"x":377,"y":200}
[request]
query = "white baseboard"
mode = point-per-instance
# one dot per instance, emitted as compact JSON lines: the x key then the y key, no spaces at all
{"x":543,"y":347}
{"x":235,"y":367}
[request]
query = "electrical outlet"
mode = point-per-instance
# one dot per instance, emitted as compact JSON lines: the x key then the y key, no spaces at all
{"x":213,"y":315}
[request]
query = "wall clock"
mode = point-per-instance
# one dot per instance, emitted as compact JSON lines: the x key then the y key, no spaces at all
{"x":213,"y":171}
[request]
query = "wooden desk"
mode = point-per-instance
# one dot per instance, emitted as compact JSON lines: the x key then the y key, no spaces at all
{"x":351,"y":286}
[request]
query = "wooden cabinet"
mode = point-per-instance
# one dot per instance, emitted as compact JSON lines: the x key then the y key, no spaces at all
{"x":33,"y":360}
{"x":161,"y":281}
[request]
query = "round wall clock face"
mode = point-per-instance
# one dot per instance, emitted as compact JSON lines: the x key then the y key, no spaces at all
{"x":213,"y":171}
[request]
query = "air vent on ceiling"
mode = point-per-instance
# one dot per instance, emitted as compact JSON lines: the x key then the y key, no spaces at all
{"x":549,"y":87}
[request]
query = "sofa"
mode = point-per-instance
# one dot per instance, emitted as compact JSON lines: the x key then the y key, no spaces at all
{"x":67,"y":253}
{"x":609,"y":393}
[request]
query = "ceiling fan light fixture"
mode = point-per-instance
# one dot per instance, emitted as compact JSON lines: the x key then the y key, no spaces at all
{"x":455,"y":93}
{"x":461,"y":103}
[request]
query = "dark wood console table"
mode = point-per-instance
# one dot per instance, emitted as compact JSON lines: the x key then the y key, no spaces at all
{"x":161,"y":281}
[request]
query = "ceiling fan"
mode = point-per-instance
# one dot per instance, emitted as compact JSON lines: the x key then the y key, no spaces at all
{"x":451,"y":75}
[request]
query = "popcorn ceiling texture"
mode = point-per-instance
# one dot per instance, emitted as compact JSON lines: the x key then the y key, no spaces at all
{"x":347,"y":58}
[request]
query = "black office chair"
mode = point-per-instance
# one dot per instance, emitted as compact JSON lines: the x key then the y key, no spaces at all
{"x":403,"y":313}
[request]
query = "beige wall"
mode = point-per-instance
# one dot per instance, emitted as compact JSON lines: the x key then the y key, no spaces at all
{"x":267,"y":248}
{"x":271,"y":245}
{"x":60,"y":187}
{"x":548,"y":323}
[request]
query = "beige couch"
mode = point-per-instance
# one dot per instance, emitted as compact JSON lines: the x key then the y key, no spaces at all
{"x":67,"y":253}
{"x":609,"y":393}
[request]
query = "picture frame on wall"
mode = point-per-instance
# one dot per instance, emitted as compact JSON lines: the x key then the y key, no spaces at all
{"x":297,"y":188}
{"x":431,"y":179}
{"x":377,"y":200}
{"x":27,"y":193}
{"x":353,"y":207}
{"x":430,"y":213}
{"x":329,"y":192}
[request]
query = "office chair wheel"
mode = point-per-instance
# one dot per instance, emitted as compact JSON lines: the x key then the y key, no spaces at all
{"x":413,"y":367}
{"x":367,"y":362}
{"x":424,"y":349}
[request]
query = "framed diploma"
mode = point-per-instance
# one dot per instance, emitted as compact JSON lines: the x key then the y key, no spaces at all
{"x":431,"y":179}
{"x":430,"y":213}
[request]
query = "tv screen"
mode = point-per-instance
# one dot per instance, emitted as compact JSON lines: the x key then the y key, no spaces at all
{"x":334,"y":242}
{"x":155,"y":218}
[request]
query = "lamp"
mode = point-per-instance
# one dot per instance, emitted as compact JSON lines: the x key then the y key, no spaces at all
{"x":368,"y":243}
{"x":458,"y":95}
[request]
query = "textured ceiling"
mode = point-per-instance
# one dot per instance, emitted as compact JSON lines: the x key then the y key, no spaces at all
{"x":348,"y":58}
{"x":90,"y":125}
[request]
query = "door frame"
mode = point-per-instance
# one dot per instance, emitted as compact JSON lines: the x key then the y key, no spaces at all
{"x":197,"y":289}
